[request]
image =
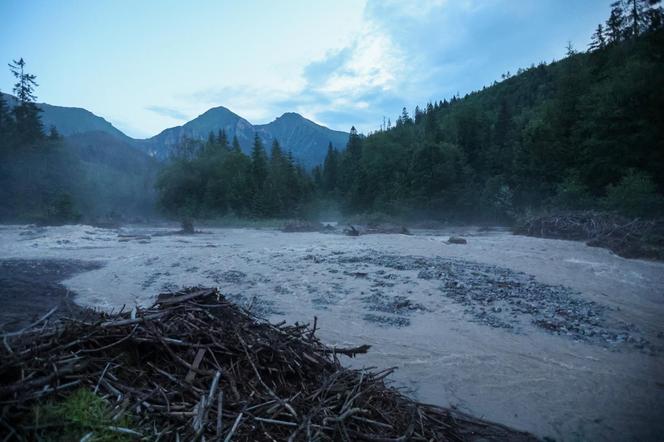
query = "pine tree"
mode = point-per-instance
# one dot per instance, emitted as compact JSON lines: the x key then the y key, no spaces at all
{"x":260,"y":201}
{"x":597,"y":41}
{"x":317,"y":175}
{"x":277,"y":167}
{"x":354,"y":146}
{"x":430,"y":126}
{"x":654,"y":15}
{"x":635,"y":17}
{"x":24,"y":88}
{"x":330,"y":166}
{"x":276,"y":154}
{"x":297,"y":183}
{"x":405,"y":118}
{"x":222,"y":139}
{"x":503,"y":125}
{"x":5,"y":122}
{"x":350,"y":165}
{"x":258,"y":164}
{"x":569,"y":50}
{"x":419,"y":115}
{"x":276,"y":186}
{"x":236,"y":144}
{"x":614,"y":25}
{"x":53,"y":133}
{"x":26,"y":113}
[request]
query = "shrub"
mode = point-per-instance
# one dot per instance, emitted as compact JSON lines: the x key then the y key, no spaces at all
{"x":572,"y":194}
{"x":497,"y":199}
{"x":59,"y":210}
{"x":634,"y":195}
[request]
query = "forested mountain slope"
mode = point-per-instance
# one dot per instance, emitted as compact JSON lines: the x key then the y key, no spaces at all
{"x":71,"y":120}
{"x":583,"y":132}
{"x":306,"y":140}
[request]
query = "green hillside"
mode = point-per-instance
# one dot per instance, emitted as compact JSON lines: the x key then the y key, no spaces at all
{"x":583,"y":132}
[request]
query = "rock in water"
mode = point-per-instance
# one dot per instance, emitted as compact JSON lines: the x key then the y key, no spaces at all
{"x":351,"y":231}
{"x":187,"y":225}
{"x":456,"y":240}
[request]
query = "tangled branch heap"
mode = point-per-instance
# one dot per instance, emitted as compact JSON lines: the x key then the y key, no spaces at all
{"x":629,"y":238}
{"x":196,"y":367}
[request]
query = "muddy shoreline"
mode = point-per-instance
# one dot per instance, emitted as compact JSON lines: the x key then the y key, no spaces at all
{"x":31,"y":288}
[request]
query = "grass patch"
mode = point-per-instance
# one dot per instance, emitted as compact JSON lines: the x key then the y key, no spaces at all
{"x":78,"y":415}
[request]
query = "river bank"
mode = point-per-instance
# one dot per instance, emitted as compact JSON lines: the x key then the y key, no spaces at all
{"x":32,"y":288}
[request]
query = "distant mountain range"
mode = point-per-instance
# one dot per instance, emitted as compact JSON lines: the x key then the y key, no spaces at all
{"x":72,"y":120}
{"x":306,"y":140}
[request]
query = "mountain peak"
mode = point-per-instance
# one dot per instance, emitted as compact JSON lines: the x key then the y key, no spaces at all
{"x":291,"y":116}
{"x":219,"y":112}
{"x":307,"y":140}
{"x":219,"y":109}
{"x":215,"y":118}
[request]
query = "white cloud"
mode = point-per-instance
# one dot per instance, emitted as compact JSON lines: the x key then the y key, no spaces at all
{"x":374,"y":61}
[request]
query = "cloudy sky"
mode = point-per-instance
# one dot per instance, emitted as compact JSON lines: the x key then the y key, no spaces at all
{"x":149,"y":65}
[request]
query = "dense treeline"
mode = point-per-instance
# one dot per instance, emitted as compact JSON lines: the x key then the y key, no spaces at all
{"x":583,"y":132}
{"x":215,"y":178}
{"x":48,"y":179}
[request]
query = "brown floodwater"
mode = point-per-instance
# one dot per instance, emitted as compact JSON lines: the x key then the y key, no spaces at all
{"x":485,"y":355}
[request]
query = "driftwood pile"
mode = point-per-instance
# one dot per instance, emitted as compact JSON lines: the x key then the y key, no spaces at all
{"x":375,"y":228}
{"x":629,"y":238}
{"x":196,"y":367}
{"x":386,"y":228}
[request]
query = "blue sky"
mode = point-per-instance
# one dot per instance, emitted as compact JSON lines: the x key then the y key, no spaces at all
{"x":149,"y":65}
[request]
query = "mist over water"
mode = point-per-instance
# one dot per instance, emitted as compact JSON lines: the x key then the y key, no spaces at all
{"x":553,"y":337}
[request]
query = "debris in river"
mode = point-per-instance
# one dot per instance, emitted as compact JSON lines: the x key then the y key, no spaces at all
{"x":351,"y":231}
{"x":629,"y":238}
{"x":456,"y":240}
{"x":386,"y":228}
{"x":123,"y":237}
{"x":195,"y":366}
{"x":187,"y":225}
{"x":302,"y":226}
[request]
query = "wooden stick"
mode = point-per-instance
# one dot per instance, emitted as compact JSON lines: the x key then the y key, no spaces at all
{"x":234,"y":428}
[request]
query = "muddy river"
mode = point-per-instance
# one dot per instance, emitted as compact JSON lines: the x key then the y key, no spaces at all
{"x":549,"y":336}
